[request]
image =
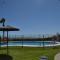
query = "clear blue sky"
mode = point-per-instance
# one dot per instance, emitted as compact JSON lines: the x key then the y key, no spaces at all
{"x":32,"y":16}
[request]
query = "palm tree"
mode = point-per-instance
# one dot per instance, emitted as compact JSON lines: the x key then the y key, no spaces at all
{"x":2,"y":21}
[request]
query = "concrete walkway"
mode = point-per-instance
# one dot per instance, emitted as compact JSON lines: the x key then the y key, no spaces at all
{"x":57,"y":56}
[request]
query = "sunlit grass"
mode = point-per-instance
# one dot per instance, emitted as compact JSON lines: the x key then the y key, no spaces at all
{"x":30,"y":53}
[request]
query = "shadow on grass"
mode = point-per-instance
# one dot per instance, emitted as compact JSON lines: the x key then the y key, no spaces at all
{"x":5,"y":57}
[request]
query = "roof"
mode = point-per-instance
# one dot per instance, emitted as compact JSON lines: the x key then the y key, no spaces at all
{"x":8,"y":28}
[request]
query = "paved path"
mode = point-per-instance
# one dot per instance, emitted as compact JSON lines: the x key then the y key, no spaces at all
{"x":57,"y":56}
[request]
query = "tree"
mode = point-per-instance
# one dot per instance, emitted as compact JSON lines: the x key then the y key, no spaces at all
{"x":2,"y":21}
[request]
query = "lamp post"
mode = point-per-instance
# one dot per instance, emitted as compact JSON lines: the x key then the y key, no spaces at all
{"x":43,"y":41}
{"x":22,"y":40}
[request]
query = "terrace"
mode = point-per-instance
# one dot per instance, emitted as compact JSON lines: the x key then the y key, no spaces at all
{"x":17,"y":52}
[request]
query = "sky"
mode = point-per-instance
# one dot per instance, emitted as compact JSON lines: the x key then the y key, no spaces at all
{"x":32,"y":16}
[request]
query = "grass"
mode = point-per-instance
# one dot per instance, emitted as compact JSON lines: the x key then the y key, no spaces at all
{"x":30,"y":53}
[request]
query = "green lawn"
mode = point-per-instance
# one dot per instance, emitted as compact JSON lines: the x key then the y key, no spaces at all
{"x":30,"y":53}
